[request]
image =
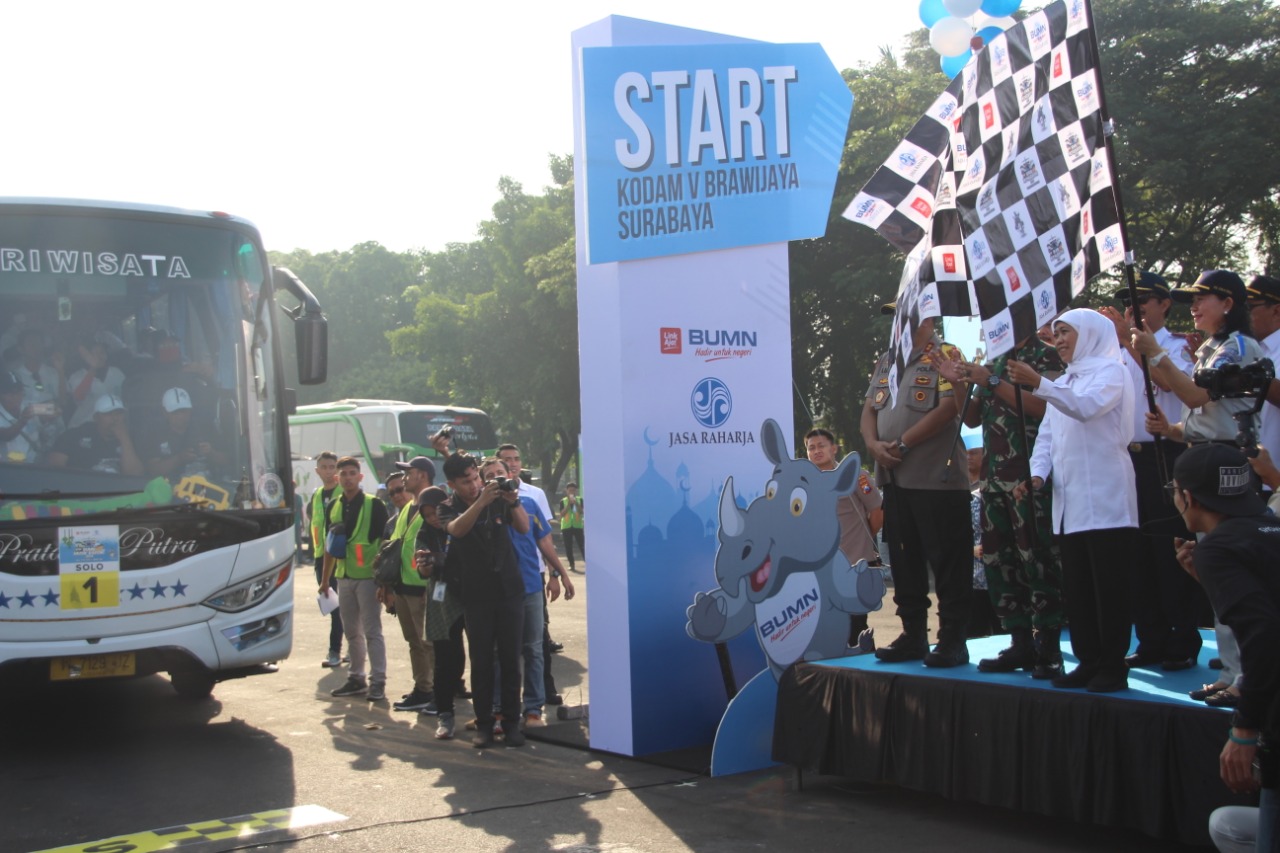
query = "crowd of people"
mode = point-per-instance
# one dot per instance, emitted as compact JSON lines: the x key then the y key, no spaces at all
{"x":1124,"y":476}
{"x":477,"y":560}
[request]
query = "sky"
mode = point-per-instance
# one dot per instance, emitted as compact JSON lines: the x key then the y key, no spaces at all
{"x":329,"y":124}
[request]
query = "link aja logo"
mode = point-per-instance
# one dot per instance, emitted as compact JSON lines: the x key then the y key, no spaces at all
{"x":707,"y":344}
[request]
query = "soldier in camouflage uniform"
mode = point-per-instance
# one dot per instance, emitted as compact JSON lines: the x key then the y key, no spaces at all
{"x":1021,"y":561}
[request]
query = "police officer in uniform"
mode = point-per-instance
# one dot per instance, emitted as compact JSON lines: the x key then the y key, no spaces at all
{"x":926,"y":501}
{"x":1020,"y":559}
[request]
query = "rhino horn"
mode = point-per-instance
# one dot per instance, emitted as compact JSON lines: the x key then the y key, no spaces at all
{"x":733,"y":521}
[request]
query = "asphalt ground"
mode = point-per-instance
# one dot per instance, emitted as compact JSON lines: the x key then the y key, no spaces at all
{"x":91,"y":762}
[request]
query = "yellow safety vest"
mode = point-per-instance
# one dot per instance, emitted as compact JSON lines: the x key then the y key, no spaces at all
{"x":361,"y":549}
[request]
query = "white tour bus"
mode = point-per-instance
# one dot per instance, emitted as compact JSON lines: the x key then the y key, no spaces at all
{"x":146,"y":513}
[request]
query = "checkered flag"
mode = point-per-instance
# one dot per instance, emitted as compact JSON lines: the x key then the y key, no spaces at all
{"x":1003,"y":191}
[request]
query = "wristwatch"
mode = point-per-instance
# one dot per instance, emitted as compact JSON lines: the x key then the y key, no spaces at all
{"x":555,"y":573}
{"x":902,"y":449}
{"x":993,"y":380}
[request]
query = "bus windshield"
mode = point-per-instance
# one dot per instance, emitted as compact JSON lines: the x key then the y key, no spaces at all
{"x":471,"y":429}
{"x":138,"y":365}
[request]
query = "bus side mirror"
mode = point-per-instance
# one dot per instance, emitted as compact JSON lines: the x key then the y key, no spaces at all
{"x":311,"y":328}
{"x":311,"y":331}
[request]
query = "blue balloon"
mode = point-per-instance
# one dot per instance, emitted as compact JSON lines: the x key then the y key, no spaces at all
{"x":988,"y":33}
{"x":932,"y":11}
{"x":1000,"y":8}
{"x":952,"y":65}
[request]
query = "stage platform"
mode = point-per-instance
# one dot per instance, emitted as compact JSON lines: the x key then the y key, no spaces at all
{"x":1145,"y":758}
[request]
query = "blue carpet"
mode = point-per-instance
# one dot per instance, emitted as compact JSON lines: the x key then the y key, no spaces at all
{"x":1149,"y":685}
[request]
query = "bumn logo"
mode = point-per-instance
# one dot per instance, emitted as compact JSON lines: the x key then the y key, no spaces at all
{"x":711,"y":402}
{"x":669,"y":340}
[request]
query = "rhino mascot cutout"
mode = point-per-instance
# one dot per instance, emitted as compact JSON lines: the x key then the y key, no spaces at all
{"x":779,"y":565}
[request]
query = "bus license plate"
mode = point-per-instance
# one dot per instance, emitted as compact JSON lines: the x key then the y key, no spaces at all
{"x":92,"y":666}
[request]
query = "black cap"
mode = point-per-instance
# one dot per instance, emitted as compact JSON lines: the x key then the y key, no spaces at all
{"x":9,"y":383}
{"x":1264,"y":287}
{"x":420,"y":463}
{"x":431,"y":496}
{"x":1220,"y":477}
{"x":1148,"y":284}
{"x":1222,"y":283}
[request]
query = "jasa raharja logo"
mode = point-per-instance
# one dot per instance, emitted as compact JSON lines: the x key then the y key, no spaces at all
{"x":711,"y":402}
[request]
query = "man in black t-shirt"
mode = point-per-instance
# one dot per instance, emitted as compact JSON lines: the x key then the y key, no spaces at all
{"x":100,"y":445}
{"x":477,"y":518}
{"x":1238,"y":562}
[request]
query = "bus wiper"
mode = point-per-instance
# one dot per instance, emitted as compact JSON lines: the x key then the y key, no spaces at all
{"x":191,"y":509}
{"x":58,"y":494}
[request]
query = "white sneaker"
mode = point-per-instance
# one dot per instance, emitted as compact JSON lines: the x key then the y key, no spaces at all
{"x":444,"y":728}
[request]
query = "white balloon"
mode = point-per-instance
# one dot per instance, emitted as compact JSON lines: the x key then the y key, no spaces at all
{"x":950,"y":36}
{"x":962,"y":8}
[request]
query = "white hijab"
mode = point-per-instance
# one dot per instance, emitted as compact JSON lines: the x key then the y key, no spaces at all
{"x":1096,"y":341}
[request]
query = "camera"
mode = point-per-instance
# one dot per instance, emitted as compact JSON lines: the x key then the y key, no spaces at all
{"x":1235,"y":381}
{"x":507,"y":485}
{"x":445,"y":431}
{"x":425,"y":563}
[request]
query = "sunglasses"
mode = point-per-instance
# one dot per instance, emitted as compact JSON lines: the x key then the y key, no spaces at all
{"x":397,"y":491}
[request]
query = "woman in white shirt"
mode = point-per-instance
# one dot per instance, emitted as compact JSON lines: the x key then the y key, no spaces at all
{"x":1083,"y":449}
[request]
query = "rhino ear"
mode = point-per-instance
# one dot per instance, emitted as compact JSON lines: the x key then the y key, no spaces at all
{"x":847,"y":474}
{"x":771,"y":441}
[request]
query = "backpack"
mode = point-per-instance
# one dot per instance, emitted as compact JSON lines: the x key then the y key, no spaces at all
{"x":386,"y":566}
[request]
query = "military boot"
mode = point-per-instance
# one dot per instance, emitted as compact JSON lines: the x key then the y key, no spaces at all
{"x":1021,"y":654}
{"x":912,"y":644}
{"x":1048,"y":653}
{"x":950,"y":651}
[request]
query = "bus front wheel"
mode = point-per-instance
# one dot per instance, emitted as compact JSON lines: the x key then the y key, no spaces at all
{"x":192,"y":685}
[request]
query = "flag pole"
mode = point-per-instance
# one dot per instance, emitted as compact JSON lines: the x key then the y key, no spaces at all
{"x":1108,"y":131}
{"x":1026,"y":456}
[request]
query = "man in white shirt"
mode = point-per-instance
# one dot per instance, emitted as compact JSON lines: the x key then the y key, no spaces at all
{"x":510,"y":456}
{"x":1166,"y":602}
{"x":1264,"y":312}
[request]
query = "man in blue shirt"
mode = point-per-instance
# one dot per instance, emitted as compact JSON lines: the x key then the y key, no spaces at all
{"x":528,"y":546}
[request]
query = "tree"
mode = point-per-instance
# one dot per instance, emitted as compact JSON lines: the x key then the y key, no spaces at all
{"x":1191,"y":84}
{"x":363,"y":293}
{"x":496,"y":321}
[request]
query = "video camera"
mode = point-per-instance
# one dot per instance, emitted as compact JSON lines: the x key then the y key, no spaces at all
{"x":1235,"y":381}
{"x":1240,"y":381}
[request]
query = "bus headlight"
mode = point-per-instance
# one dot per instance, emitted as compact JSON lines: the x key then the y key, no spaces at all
{"x":248,"y":593}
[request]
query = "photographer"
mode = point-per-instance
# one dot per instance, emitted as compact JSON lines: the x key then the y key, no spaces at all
{"x":1236,"y":560}
{"x":1219,"y":309}
{"x":443,"y":606}
{"x":477,"y":518}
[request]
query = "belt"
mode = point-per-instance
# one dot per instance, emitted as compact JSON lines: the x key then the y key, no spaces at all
{"x":1137,"y":446}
